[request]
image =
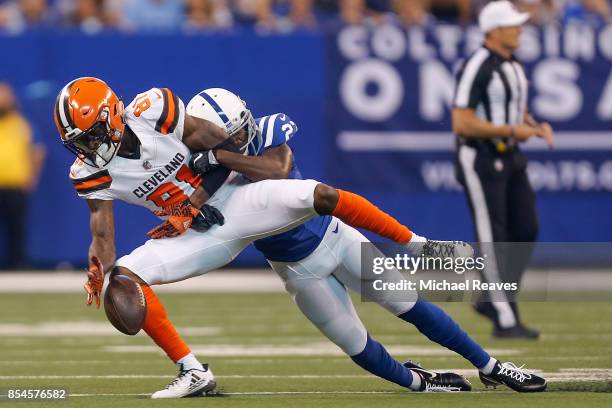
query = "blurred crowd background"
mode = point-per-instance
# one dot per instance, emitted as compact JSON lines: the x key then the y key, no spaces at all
{"x":271,"y":15}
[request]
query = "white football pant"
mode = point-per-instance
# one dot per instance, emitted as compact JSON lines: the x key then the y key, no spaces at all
{"x":251,"y":210}
{"x":318,"y":284}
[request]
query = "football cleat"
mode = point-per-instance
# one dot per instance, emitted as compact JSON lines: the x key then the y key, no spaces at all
{"x":189,"y":383}
{"x":516,"y":332}
{"x":432,"y":381}
{"x":517,"y":378}
{"x":447,"y":249}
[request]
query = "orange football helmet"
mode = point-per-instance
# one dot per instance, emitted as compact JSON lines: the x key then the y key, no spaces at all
{"x":89,"y":118}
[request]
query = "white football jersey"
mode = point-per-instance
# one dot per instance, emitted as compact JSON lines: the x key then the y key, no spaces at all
{"x":159,"y":175}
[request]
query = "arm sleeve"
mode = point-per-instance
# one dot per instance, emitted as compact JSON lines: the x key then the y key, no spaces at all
{"x":215,"y":178}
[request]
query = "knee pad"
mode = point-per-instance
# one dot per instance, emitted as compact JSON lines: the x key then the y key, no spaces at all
{"x":351,"y":338}
{"x":124,"y":303}
{"x":336,"y":322}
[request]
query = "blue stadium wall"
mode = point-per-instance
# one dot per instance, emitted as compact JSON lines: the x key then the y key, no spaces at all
{"x":304,"y":75}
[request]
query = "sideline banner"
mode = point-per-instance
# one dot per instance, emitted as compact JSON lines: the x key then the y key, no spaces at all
{"x":390,"y":89}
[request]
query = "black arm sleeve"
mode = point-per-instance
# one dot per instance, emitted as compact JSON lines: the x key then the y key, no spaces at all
{"x":214,"y":179}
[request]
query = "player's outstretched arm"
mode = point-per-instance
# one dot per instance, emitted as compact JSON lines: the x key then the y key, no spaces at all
{"x":275,"y":163}
{"x":102,"y":248}
{"x":102,"y":226}
{"x":200,"y":134}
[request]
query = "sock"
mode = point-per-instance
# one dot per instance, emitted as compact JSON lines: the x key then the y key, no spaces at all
{"x":488,"y":369}
{"x":160,"y":328}
{"x":415,"y":245}
{"x":375,"y":359}
{"x":439,"y":327}
{"x":189,"y":362}
{"x":360,"y":213}
{"x":416,"y":381}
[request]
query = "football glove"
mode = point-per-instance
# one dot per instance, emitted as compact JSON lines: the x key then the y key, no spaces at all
{"x":95,"y":281}
{"x":183,"y":216}
{"x":202,"y":162}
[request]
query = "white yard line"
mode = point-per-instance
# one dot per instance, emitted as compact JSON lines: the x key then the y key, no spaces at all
{"x":309,"y":349}
{"x":255,"y":393}
{"x":265,"y":280}
{"x":146,"y":376}
{"x":224,"y":280}
{"x":563,"y":375}
{"x":86,"y":329}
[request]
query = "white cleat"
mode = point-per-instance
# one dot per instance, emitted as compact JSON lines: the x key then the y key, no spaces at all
{"x":189,"y":383}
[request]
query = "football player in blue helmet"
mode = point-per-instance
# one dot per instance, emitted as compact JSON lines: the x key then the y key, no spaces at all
{"x":320,"y":259}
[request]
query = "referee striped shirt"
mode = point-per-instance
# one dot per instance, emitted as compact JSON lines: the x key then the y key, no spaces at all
{"x":494,"y":86}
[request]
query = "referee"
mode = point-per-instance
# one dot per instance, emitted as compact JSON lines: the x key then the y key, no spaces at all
{"x":490,"y":120}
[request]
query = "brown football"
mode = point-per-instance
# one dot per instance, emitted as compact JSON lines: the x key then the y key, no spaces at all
{"x":125,"y":304}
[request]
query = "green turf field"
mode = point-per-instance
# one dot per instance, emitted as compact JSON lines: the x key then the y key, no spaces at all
{"x":265,"y":353}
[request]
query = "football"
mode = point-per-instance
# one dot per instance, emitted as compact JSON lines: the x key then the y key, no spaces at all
{"x":125,"y":304}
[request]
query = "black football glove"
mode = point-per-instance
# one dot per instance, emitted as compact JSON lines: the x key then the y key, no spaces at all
{"x":202,"y":162}
{"x":207,"y":217}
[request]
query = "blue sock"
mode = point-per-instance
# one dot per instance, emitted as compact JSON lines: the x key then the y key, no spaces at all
{"x":375,"y":359}
{"x":434,"y":323}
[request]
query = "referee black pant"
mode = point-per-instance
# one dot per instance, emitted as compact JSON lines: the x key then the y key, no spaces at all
{"x":503,"y":207}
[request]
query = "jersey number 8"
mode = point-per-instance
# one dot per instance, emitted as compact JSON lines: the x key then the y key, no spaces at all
{"x":169,"y":193}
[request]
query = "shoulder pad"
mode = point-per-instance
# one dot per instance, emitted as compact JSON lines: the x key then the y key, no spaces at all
{"x":159,"y":109}
{"x":276,"y":129}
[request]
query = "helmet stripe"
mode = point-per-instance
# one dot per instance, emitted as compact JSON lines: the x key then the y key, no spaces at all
{"x":164,"y":114}
{"x":270,"y":131}
{"x":177,"y":113}
{"x":215,"y":106}
{"x":63,"y":109}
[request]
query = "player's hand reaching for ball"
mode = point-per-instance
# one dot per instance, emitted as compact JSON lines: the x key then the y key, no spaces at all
{"x":95,"y":281}
{"x":183,"y":216}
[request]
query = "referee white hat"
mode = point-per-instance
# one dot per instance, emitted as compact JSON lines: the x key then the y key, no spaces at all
{"x":500,"y":14}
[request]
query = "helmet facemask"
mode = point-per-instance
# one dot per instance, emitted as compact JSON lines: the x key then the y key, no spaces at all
{"x":254,"y":141}
{"x":97,"y":145}
{"x":247,"y":122}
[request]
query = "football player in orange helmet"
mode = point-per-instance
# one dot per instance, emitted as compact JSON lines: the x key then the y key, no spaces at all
{"x":107,"y":139}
